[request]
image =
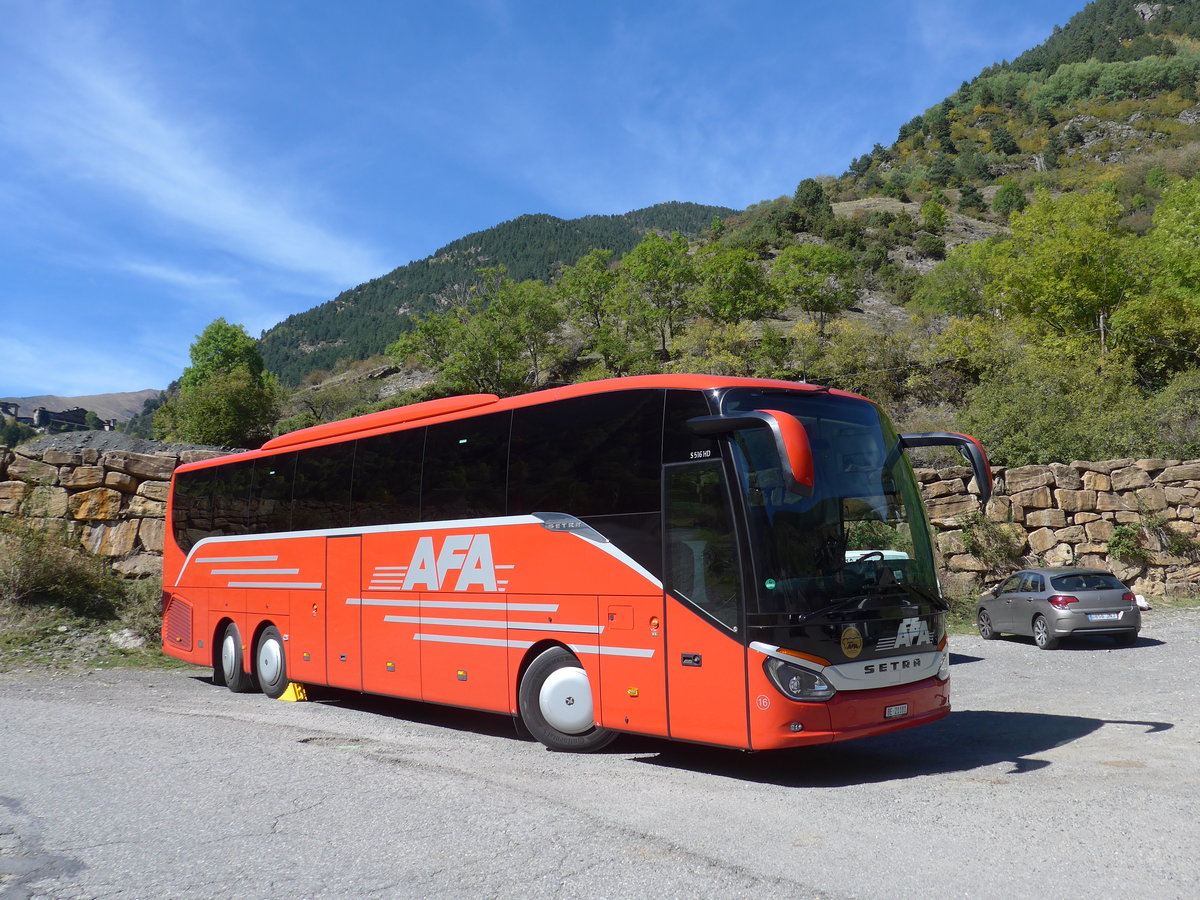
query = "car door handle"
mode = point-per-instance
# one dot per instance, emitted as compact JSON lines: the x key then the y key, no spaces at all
{"x":691,"y":659}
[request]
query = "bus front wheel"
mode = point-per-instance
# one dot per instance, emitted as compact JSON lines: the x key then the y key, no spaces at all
{"x":555,"y":700}
{"x":236,"y":678}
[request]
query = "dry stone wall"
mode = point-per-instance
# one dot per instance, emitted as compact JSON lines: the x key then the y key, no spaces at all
{"x":113,"y":502}
{"x":1068,"y":515}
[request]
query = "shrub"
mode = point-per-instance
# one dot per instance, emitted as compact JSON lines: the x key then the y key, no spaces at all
{"x":995,"y":544}
{"x":41,"y":569}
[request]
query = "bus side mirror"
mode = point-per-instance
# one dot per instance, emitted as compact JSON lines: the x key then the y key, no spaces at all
{"x":970,"y":448}
{"x":788,"y":433}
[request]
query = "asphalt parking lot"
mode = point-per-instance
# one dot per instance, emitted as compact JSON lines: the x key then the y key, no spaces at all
{"x":1074,"y":772}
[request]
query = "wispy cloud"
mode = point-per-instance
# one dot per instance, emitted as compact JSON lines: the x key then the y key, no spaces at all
{"x":78,"y":111}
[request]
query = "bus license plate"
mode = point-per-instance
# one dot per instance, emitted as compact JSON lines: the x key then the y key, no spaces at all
{"x":895,"y":712}
{"x":1103,"y":617}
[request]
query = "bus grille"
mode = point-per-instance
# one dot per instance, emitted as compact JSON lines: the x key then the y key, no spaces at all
{"x":178,"y":630}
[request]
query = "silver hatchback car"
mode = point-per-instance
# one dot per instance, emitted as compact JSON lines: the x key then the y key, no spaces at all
{"x":1050,"y":604}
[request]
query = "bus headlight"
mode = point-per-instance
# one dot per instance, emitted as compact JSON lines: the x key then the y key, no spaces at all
{"x":796,"y":683}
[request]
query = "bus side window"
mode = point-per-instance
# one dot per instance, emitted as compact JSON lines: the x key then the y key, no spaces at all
{"x":387,"y":478}
{"x":271,"y":494}
{"x":321,"y":497}
{"x":702,"y":560}
{"x":191,"y":514}
{"x":466,"y":469}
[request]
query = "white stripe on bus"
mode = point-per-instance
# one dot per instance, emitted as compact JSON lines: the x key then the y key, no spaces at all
{"x":525,"y":645}
{"x":454,"y":604}
{"x":497,"y":623}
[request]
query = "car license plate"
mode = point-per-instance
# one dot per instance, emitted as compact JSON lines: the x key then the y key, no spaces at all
{"x":895,"y":712}
{"x":1103,"y":617}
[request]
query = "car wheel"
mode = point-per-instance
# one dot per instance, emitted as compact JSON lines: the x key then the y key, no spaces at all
{"x":1126,"y":639}
{"x":236,"y":678}
{"x":1042,"y":635}
{"x":270,"y":665}
{"x":555,"y":700}
{"x":986,"y":630}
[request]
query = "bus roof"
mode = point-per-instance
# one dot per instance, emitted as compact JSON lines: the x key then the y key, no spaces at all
{"x":448,"y":408}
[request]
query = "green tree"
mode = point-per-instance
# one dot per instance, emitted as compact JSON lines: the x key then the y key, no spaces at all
{"x":1067,"y":267}
{"x":1003,"y":141}
{"x":584,"y":288}
{"x":1052,"y":405}
{"x":969,"y":198}
{"x":221,"y":348}
{"x":225,"y":398}
{"x":499,"y":338}
{"x":933,"y":217}
{"x":817,"y":278}
{"x":1009,"y":199}
{"x":732,"y":285}
{"x":660,"y":271}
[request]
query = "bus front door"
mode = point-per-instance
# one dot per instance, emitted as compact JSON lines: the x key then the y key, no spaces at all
{"x":706,"y":659}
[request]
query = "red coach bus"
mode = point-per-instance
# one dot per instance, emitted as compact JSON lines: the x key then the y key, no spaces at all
{"x":731,"y":561}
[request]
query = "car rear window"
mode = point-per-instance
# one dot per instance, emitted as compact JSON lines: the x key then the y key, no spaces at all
{"x":1092,"y":581}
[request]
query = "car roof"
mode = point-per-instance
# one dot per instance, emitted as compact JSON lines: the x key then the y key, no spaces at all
{"x":1055,"y":571}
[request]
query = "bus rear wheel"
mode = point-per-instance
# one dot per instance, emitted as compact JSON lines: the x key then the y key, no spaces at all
{"x":234,"y":675}
{"x":269,"y":663}
{"x":555,"y":700}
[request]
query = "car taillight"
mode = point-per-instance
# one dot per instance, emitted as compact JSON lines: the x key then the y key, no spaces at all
{"x":1129,"y":598}
{"x":1062,"y":601}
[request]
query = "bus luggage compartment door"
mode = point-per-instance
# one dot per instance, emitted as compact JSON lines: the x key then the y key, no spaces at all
{"x":343,"y":604}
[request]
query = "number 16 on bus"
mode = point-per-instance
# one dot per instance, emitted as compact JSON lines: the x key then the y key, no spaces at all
{"x":731,"y":561}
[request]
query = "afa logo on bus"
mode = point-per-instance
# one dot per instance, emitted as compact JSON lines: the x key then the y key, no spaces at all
{"x":468,"y":555}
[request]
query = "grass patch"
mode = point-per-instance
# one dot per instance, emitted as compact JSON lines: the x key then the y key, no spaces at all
{"x":62,"y":608}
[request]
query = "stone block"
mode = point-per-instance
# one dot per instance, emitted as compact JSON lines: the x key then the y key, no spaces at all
{"x":1082,"y":518}
{"x":46,"y":502}
{"x":150,"y":534}
{"x":1066,"y":477}
{"x":951,"y":542}
{"x":33,"y":471}
{"x":126,"y":484}
{"x":1185,"y":472}
{"x":1059,"y":555}
{"x":1181,"y":495}
{"x":1125,"y":517}
{"x":62,"y":458}
{"x":944,"y":510}
{"x":1042,"y":540}
{"x":141,"y":565}
{"x":1151,"y":499}
{"x":81,"y":478}
{"x":1096,"y":481}
{"x":153,"y":466}
{"x":1024,"y":478}
{"x":925,"y":476}
{"x":99,"y":504}
{"x":112,"y":540}
{"x":1106,"y":467}
{"x":145,"y":508}
{"x":14,"y":490}
{"x":1037,"y":498}
{"x":191,"y":456}
{"x":936,"y":489}
{"x":1045,"y":518}
{"x":964,"y":562}
{"x":1130,"y":478}
{"x":1072,"y":534}
{"x":90,"y":456}
{"x":1115,"y":502}
{"x":1155,"y":465}
{"x":1100,"y":531}
{"x":1075,"y":501}
{"x":155,"y":490}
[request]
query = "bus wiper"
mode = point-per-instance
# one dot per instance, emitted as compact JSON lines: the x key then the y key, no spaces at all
{"x":928,"y":596}
{"x":831,"y":608}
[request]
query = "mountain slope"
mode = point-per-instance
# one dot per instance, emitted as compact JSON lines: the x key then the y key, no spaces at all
{"x":120,"y":406}
{"x":361,"y":322}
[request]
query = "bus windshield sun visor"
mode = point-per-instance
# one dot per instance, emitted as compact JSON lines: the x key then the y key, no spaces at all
{"x":966,"y":445}
{"x":791,"y":441}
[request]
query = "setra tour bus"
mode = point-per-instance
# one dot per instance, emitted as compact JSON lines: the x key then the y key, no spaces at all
{"x":731,"y":561}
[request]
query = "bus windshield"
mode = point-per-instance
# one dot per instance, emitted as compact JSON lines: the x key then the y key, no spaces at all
{"x":861,"y":541}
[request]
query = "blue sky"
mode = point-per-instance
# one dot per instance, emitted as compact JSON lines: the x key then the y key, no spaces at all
{"x":163,"y":164}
